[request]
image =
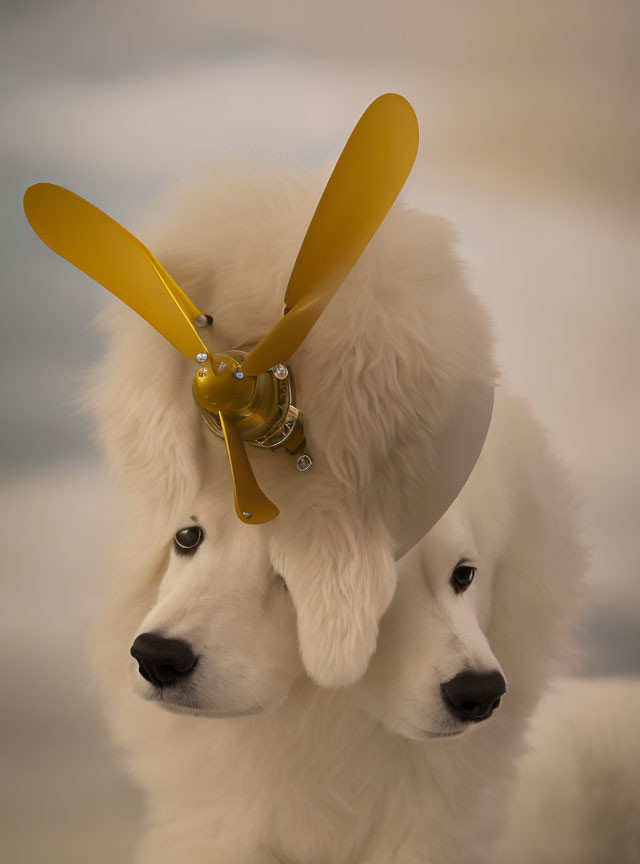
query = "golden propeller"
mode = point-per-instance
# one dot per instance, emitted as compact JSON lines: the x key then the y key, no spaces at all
{"x":247,"y":397}
{"x":107,"y":252}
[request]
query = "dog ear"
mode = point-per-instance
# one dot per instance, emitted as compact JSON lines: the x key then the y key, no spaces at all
{"x":339,"y":567}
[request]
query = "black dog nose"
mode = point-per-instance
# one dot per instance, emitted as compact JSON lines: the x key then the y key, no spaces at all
{"x":470,"y":696}
{"x":162,"y":661}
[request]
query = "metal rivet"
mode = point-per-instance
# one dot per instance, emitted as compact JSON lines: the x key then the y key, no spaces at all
{"x":203,"y":320}
{"x":304,"y":462}
{"x":238,"y":374}
{"x":202,"y":358}
{"x":202,"y":373}
{"x":279,"y":371}
{"x":246,"y":514}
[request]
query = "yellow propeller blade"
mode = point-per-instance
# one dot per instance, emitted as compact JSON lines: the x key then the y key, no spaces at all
{"x":252,"y":505}
{"x":107,"y":252}
{"x":367,"y":179}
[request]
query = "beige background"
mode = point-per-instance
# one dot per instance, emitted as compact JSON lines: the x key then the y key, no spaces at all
{"x":530,"y":138}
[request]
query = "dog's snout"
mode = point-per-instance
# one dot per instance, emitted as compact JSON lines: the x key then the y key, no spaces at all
{"x":162,"y":661}
{"x":473,"y":697}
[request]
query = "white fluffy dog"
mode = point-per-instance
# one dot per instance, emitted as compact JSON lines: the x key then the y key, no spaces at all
{"x":243,"y":756}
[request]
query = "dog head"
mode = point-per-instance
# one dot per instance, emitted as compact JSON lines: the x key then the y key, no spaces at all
{"x":435,"y":674}
{"x":375,"y":380}
{"x":220,"y":639}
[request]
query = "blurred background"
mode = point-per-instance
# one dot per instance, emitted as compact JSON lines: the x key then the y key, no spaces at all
{"x":530,"y":143}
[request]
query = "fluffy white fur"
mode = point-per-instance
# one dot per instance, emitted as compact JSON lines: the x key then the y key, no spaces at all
{"x":309,"y":774}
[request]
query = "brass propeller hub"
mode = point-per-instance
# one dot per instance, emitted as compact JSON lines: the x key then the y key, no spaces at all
{"x":220,"y":385}
{"x":260,"y":406}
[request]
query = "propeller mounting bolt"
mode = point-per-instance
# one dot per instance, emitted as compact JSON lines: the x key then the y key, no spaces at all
{"x":239,"y":374}
{"x":202,"y":373}
{"x":246,"y":514}
{"x":203,"y":320}
{"x":304,"y":462}
{"x":279,"y":371}
{"x":202,"y":358}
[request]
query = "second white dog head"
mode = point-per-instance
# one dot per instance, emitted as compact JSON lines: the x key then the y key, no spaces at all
{"x":434,"y":674}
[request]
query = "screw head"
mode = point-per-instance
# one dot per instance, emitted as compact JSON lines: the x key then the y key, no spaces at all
{"x":202,"y":358}
{"x":203,"y":320}
{"x":239,"y":374}
{"x":202,"y":373}
{"x":246,"y":514}
{"x":279,"y":371}
{"x":304,"y":462}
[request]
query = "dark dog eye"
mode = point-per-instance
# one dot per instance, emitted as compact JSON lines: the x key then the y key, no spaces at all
{"x":462,"y":577}
{"x":188,"y":539}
